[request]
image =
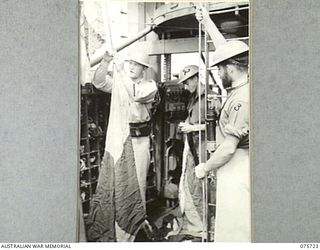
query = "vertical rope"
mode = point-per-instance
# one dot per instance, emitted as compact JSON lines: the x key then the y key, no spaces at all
{"x":204,"y":183}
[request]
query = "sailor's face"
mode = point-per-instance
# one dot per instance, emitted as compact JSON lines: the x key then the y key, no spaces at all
{"x":224,"y":76}
{"x":135,"y":70}
{"x":191,"y":84}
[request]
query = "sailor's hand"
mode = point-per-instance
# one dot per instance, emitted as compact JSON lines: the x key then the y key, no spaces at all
{"x":200,"y":171}
{"x":202,"y":14}
{"x":185,"y":127}
{"x":107,"y":57}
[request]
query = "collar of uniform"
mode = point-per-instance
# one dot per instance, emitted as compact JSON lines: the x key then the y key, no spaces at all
{"x":239,"y":83}
{"x":230,"y":91}
{"x":137,"y":82}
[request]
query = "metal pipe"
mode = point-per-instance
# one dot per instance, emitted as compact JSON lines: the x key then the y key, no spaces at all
{"x":166,"y":170}
{"x":227,"y":11}
{"x":139,"y":35}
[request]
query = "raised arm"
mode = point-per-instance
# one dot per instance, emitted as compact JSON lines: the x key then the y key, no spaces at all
{"x":102,"y":79}
{"x":203,"y":17}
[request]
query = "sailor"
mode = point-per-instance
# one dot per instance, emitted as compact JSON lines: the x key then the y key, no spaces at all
{"x":231,"y":158}
{"x":190,"y":191}
{"x":127,"y":151}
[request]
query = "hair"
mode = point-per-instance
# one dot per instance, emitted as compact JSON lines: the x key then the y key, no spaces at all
{"x":240,"y":61}
{"x":195,"y":75}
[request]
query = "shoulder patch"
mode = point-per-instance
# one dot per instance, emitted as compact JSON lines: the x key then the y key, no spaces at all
{"x":237,"y":106}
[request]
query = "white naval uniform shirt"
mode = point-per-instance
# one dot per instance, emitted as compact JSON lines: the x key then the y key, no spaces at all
{"x":141,"y":96}
{"x":234,"y":117}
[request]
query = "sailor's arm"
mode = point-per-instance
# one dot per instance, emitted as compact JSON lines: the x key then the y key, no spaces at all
{"x":187,"y":128}
{"x":221,"y":156}
{"x":102,"y":79}
{"x":236,"y":130}
{"x":203,"y":17}
{"x":223,"y":153}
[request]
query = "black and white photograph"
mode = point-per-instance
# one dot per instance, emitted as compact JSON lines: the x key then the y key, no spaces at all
{"x":156,"y":123}
{"x":164,"y":121}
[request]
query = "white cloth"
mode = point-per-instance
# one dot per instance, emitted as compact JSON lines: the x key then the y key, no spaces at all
{"x":233,"y":200}
{"x":192,"y":221}
{"x":233,"y":222}
{"x":182,"y":198}
{"x":141,"y":150}
{"x":126,"y":101}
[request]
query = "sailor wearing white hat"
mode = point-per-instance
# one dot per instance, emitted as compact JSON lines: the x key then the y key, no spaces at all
{"x":190,"y":192}
{"x":128,"y":130}
{"x":141,"y":58}
{"x":231,"y":159}
{"x":141,"y":94}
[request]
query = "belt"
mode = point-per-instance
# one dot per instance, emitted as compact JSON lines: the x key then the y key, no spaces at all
{"x":140,"y":129}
